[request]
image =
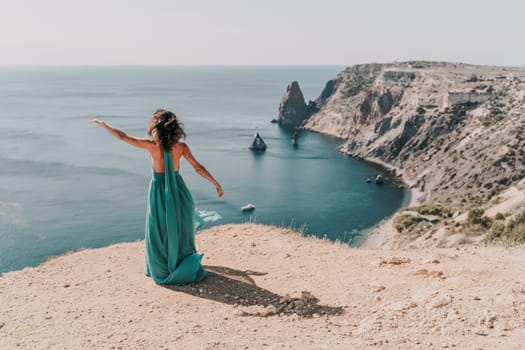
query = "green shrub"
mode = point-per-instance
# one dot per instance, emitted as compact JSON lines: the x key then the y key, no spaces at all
{"x":499,"y":216}
{"x":406,"y":222}
{"x":431,"y":209}
{"x":518,"y":233}
{"x":496,"y":230}
{"x":475,"y":217}
{"x":513,"y":231}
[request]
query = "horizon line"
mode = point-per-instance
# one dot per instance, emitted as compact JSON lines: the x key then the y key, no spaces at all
{"x":170,"y":65}
{"x":146,"y":65}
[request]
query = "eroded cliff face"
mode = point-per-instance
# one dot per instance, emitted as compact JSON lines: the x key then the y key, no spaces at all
{"x":400,"y":113}
{"x":356,"y":96}
{"x":455,"y":131}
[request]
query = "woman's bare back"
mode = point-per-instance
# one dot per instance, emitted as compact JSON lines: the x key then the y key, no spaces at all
{"x":157,"y":157}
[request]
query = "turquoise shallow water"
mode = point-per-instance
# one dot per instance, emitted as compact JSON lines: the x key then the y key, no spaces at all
{"x":65,"y":184}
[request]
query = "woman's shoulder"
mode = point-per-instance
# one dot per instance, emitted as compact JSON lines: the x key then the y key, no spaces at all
{"x":179,"y":146}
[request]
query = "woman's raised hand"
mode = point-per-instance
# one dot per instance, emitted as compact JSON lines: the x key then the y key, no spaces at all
{"x":220,"y":191}
{"x":96,"y":121}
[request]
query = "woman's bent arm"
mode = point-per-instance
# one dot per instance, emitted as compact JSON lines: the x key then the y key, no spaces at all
{"x":121,"y":135}
{"x":201,"y":170}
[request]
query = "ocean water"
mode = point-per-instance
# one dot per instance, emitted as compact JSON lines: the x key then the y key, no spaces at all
{"x":67,"y":184}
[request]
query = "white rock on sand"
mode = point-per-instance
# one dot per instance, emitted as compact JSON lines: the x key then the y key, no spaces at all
{"x":271,"y":288}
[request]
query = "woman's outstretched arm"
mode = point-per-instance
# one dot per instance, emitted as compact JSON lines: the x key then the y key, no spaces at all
{"x":200,"y":169}
{"x":121,"y":135}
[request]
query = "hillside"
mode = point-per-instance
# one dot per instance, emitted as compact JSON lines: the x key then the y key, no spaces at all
{"x":455,"y":133}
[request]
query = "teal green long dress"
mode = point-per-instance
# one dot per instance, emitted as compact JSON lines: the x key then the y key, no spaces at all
{"x":171,"y":257}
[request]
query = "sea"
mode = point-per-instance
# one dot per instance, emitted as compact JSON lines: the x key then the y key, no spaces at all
{"x":66,"y":184}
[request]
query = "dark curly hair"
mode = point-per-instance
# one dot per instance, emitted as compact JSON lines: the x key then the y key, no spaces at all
{"x":165,"y":129}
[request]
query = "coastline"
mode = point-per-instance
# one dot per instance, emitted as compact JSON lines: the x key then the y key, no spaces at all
{"x":383,"y":235}
{"x":414,"y":194}
{"x":100,"y":298}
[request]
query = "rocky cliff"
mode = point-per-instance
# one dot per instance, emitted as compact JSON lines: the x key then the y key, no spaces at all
{"x":292,"y":109}
{"x":455,"y":132}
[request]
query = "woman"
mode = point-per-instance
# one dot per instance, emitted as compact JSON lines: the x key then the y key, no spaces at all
{"x":171,"y":257}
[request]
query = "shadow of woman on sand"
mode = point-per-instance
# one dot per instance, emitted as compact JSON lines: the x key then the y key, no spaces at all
{"x":232,"y":287}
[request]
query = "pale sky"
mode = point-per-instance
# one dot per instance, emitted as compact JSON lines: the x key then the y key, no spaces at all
{"x":267,"y":32}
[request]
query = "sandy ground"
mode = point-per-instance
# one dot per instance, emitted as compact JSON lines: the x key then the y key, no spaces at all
{"x":463,"y":298}
{"x":382,"y":236}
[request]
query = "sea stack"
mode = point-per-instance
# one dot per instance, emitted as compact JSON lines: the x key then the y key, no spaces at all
{"x":292,"y":109}
{"x":258,"y":143}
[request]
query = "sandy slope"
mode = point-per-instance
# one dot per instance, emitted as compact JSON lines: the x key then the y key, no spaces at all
{"x":465,"y":298}
{"x":385,"y":236}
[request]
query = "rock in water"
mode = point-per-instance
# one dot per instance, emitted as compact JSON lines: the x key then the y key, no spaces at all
{"x":294,"y":139}
{"x":292,"y":109}
{"x":379,"y":179}
{"x":258,"y":143}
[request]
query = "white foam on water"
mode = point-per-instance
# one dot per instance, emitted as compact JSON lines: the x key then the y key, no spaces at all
{"x":12,"y":214}
{"x":209,"y":216}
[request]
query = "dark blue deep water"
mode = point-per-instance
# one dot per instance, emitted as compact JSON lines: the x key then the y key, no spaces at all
{"x":66,"y":184}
